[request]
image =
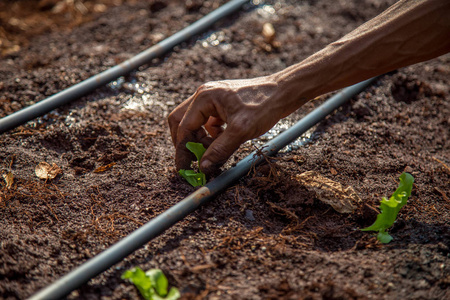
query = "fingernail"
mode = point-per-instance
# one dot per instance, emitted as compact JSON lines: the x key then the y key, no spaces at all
{"x":205,"y":165}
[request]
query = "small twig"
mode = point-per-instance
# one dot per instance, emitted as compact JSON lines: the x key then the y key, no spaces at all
{"x":259,"y":153}
{"x":198,"y":268}
{"x":183,"y":258}
{"x":444,"y":195}
{"x":12,"y":161}
{"x":299,"y":226}
{"x":441,"y":162}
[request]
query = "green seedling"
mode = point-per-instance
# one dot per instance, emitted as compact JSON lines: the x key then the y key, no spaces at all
{"x":152,"y":284}
{"x":390,"y":208}
{"x":195,"y":178}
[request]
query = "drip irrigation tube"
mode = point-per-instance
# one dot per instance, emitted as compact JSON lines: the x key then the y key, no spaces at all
{"x":90,"y":84}
{"x":165,"y":220}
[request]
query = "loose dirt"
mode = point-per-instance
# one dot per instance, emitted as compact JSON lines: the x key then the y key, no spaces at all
{"x":267,"y":237}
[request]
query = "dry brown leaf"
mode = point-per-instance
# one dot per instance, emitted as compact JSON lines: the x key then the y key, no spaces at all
{"x":46,"y":171}
{"x":104,"y":168}
{"x":9,"y":179}
{"x":329,"y":191}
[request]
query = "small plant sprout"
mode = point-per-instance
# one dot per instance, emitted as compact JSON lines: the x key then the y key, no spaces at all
{"x":390,"y":208}
{"x":195,"y":178}
{"x":152,"y":284}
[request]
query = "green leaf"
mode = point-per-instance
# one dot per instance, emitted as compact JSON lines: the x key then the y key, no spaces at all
{"x":390,"y":208}
{"x":197,"y":148}
{"x":173,"y":294}
{"x":152,"y":284}
{"x":384,"y":237}
{"x":194,"y":178}
{"x":159,"y":281}
{"x":143,"y":283}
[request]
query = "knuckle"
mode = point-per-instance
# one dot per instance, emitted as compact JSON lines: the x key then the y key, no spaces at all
{"x":172,"y":119}
{"x":219,"y":153}
{"x":212,"y":86}
{"x":204,"y":88}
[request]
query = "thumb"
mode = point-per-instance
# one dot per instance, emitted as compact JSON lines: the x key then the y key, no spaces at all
{"x":219,"y":151}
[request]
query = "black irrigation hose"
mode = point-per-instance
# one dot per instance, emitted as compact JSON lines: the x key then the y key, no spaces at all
{"x":165,"y":220}
{"x":90,"y":84}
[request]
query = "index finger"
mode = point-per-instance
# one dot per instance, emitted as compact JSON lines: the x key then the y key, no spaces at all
{"x":195,"y":117}
{"x":176,"y":116}
{"x":198,"y":112}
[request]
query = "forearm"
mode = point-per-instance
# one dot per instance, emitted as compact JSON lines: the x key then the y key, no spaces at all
{"x":407,"y":33}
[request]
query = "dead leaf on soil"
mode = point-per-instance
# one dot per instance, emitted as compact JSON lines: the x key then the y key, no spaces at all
{"x":9,"y":179}
{"x":46,"y":171}
{"x":329,"y":191}
{"x":104,"y":168}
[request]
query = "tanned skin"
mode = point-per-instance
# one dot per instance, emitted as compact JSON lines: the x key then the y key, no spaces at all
{"x":406,"y":33}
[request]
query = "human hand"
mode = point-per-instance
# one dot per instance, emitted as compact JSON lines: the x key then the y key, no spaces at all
{"x":251,"y":107}
{"x":248,"y":107}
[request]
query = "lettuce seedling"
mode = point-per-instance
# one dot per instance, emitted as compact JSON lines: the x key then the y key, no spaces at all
{"x":152,"y":284}
{"x":194,"y":178}
{"x":390,"y":208}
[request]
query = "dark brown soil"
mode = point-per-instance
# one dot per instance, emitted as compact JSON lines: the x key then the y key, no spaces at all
{"x":267,"y":237}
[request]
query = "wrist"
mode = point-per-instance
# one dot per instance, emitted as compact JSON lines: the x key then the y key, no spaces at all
{"x":299,"y":83}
